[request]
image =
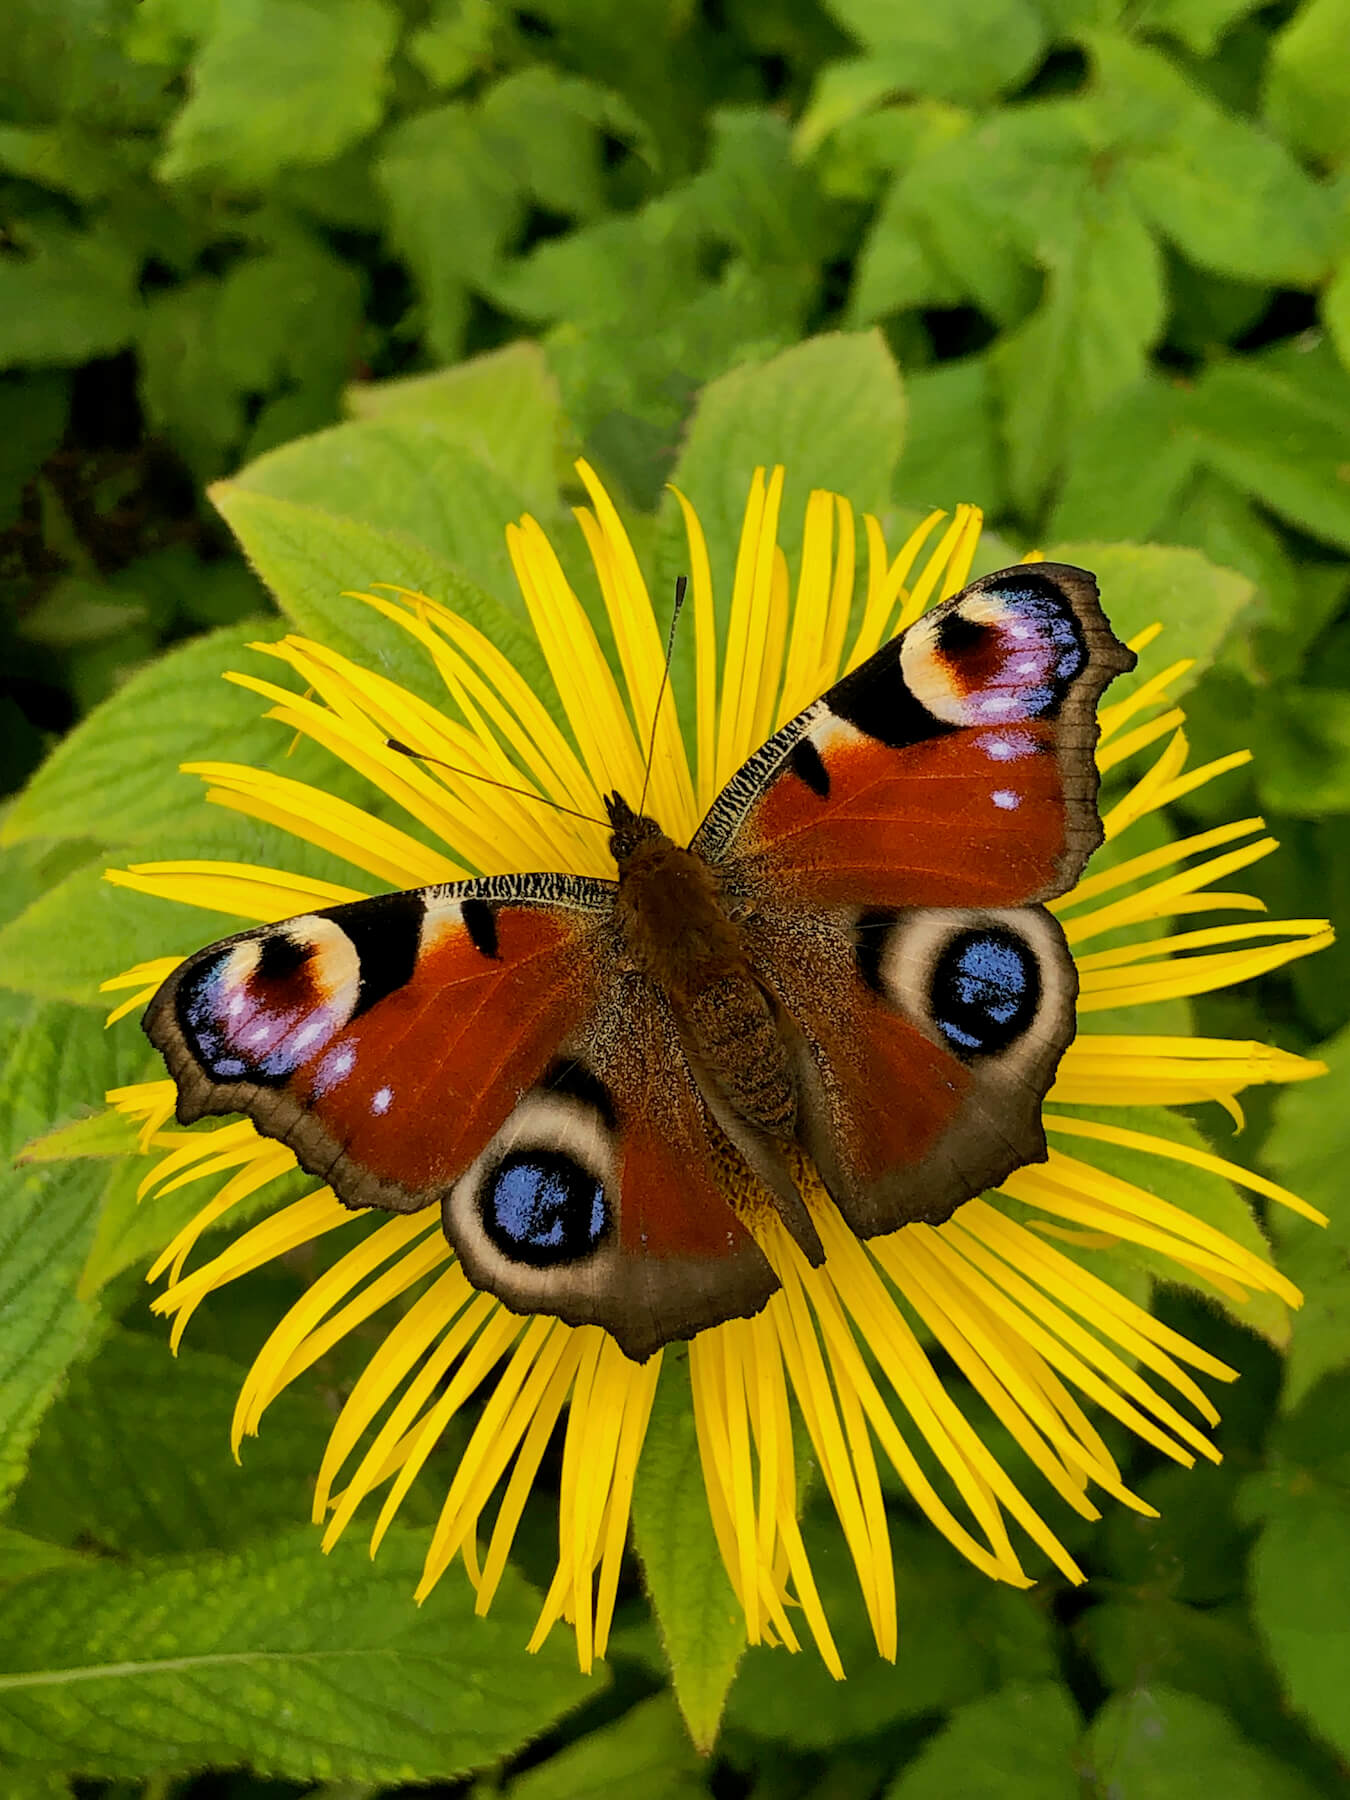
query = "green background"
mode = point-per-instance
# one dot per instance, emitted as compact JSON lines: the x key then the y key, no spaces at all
{"x":1087,"y":265}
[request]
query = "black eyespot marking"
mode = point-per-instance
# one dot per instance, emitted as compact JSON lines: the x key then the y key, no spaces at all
{"x":280,"y":956}
{"x":579,"y":1083}
{"x":385,"y":934}
{"x":480,"y":921}
{"x":871,"y":932}
{"x":806,"y":764}
{"x":958,"y":636}
{"x":985,"y":992}
{"x":542,"y":1208}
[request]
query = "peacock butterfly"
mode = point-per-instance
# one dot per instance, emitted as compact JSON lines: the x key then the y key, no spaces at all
{"x":599,"y":1081}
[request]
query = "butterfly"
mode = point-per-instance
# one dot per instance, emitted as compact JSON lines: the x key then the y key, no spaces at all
{"x":602,"y":1083}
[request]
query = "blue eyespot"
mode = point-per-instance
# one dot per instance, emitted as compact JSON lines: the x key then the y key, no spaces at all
{"x":543,"y":1208}
{"x":985,"y":992}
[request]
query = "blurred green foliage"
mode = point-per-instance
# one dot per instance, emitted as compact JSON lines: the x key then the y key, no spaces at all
{"x":1108,"y":246}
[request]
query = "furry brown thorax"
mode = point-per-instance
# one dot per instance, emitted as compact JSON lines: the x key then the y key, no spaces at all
{"x":678,"y":932}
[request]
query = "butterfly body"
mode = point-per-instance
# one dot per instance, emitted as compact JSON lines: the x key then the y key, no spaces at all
{"x":607,"y":1086}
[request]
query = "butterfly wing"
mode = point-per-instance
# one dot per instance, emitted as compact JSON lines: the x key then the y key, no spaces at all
{"x":479,"y":1046}
{"x":885,"y":851}
{"x":953,"y":768}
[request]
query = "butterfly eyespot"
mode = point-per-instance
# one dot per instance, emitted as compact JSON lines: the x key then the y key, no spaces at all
{"x":544,"y":1208}
{"x":1004,"y":653}
{"x":985,"y":991}
{"x":260,"y":1008}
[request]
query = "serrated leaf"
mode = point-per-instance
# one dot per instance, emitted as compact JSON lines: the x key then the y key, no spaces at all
{"x":1300,"y":1574}
{"x":1130,"y":461}
{"x":58,"y":1061}
{"x":71,"y":297}
{"x":134,"y":1456}
{"x":313,"y":560}
{"x":1230,"y":197}
{"x":830,"y":409}
{"x":278,"y":82}
{"x":404,"y":478}
{"x":298,"y":1665}
{"x":100,"y":783}
{"x":47,"y":1219}
{"x":1211,"y":1652}
{"x":967,"y":51}
{"x":1276,"y":426}
{"x":452,"y":208}
{"x":1154,"y":1743}
{"x":951,"y":449}
{"x":1307,"y":97}
{"x":503,"y":406}
{"x":102,"y":1134}
{"x":1196,"y":603}
{"x":1019,"y":1743}
{"x":1199,"y":24}
{"x":702,"y":1625}
{"x":1103,"y":310}
{"x":645,"y":1752}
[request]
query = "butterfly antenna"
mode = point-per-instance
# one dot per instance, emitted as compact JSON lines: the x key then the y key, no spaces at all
{"x":681,"y":585}
{"x":505,"y":786}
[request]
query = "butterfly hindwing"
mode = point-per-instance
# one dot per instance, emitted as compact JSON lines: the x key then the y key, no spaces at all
{"x":953,"y":768}
{"x":924,"y":1042}
{"x":476,"y":1046}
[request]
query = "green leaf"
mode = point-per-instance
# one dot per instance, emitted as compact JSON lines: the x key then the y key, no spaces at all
{"x":1300,"y":1577}
{"x":966,"y":50}
{"x":278,"y":82}
{"x":1130,"y":461}
{"x":296,"y":1664}
{"x":1086,"y":343}
{"x":1276,"y":425}
{"x":1307,"y":98}
{"x":645,"y":1752}
{"x":1211,"y":1652}
{"x":1306,"y":1151}
{"x":62,"y":60}
{"x":114,"y":776}
{"x":702,"y":1625}
{"x":452,"y":208}
{"x":1199,"y":24}
{"x":46,"y":1222}
{"x":548,"y":130}
{"x":456,"y":40}
{"x":961,"y":1636}
{"x":831,"y":409}
{"x":1153,"y":1743}
{"x":1336,"y":310}
{"x":402,"y":477}
{"x":58,"y":1062}
{"x":1231,"y":198}
{"x":312,"y":560}
{"x":71,"y":297}
{"x":1142,"y":584}
{"x":1304,"y":765}
{"x":134,"y":1457}
{"x":1019,"y":1743}
{"x":102,"y":1134}
{"x":951,"y":451}
{"x":22,"y":1556}
{"x":503,"y":406}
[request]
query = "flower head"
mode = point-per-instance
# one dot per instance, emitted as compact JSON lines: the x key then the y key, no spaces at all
{"x":1006,"y":1289}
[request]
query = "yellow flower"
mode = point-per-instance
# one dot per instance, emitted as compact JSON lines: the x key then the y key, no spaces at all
{"x":1004,"y":1288}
